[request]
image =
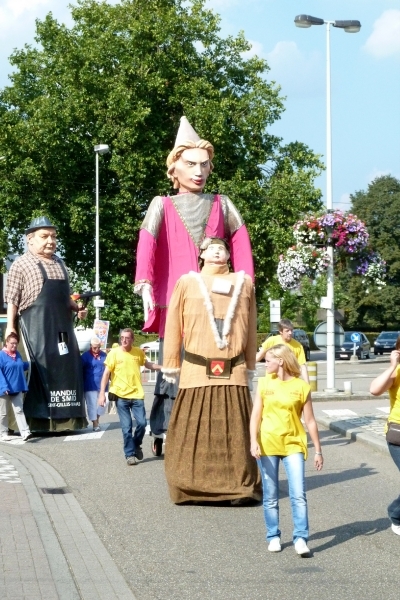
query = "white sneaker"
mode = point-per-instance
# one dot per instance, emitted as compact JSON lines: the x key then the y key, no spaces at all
{"x":6,"y":438}
{"x":301,"y":547}
{"x":275,"y":545}
{"x":396,"y":529}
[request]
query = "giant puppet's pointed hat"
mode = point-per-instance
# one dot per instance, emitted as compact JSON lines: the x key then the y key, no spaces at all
{"x":186,"y":133}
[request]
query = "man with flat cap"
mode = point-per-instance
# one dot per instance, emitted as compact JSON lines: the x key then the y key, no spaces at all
{"x":38,"y":296}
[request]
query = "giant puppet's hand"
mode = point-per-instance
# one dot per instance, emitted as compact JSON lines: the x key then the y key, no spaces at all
{"x":147,"y":299}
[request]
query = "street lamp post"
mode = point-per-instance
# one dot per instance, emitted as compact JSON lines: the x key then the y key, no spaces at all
{"x":306,"y":21}
{"x":99,"y":149}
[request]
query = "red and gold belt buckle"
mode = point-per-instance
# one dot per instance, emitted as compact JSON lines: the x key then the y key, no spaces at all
{"x":218,"y":368}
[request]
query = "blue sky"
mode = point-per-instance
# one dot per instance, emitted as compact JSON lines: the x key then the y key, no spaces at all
{"x":365,"y":74}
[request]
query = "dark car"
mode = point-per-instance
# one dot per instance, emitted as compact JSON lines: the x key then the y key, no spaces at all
{"x":346,"y":350}
{"x":385,"y":342}
{"x":300,"y":336}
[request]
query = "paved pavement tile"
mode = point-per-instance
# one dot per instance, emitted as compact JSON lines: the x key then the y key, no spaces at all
{"x":48,"y":547}
{"x":25,"y":567}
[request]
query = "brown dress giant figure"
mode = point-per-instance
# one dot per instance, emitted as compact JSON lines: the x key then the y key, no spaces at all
{"x":207,"y":456}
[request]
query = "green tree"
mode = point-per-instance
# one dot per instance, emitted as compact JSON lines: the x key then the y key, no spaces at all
{"x":300,"y":306}
{"x":379,"y":207}
{"x":123,"y":75}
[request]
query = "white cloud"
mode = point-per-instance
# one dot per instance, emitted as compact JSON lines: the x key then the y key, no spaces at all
{"x":17,"y":18}
{"x":221,"y":4}
{"x":255,"y":50}
{"x":297,"y":73}
{"x":16,"y":12}
{"x":385,"y":39}
{"x":344,"y":203}
{"x":376,"y":173}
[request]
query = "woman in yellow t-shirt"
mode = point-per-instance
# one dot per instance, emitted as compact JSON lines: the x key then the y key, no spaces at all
{"x":389,"y":381}
{"x":276,"y":434}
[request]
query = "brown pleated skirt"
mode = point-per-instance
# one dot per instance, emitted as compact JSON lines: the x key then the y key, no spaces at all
{"x":207,"y":451}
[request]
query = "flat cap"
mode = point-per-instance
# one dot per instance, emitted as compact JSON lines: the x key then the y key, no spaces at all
{"x":39,"y":223}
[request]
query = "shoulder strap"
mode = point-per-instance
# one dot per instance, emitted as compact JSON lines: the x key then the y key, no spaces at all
{"x":43,"y":271}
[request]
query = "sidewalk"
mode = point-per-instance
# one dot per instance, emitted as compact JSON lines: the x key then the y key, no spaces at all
{"x":49,"y":549}
{"x":358,"y":419}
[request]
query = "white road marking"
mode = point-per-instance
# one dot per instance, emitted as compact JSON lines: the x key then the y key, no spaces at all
{"x":384,"y":409}
{"x":340,"y":412}
{"x":8,"y":473}
{"x":94,"y":435}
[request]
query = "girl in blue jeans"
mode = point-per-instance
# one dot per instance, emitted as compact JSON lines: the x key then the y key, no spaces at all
{"x":389,"y":381}
{"x":277,"y":433}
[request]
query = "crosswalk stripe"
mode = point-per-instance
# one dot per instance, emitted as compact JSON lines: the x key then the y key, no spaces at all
{"x":94,"y":435}
{"x":8,"y":473}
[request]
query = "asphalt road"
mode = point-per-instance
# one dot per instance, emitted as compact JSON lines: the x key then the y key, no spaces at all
{"x":360,"y":373}
{"x":219,"y":553}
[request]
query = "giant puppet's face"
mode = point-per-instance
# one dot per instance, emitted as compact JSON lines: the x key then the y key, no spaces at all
{"x":215,"y":254}
{"x":192,"y":169}
{"x":43,"y":242}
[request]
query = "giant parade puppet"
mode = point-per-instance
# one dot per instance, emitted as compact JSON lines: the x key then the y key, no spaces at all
{"x":207,"y":453}
{"x":169,"y":241}
{"x":39,"y":303}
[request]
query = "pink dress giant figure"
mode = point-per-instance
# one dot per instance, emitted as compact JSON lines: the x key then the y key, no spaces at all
{"x":169,"y":241}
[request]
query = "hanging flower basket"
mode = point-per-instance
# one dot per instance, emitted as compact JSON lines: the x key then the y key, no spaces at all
{"x":346,"y":233}
{"x":303,"y":260}
{"x":309,"y":257}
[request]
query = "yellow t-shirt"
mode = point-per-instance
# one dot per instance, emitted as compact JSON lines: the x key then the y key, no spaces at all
{"x":394,"y":395}
{"x":294,"y":346}
{"x":125,"y":369}
{"x":281,"y":430}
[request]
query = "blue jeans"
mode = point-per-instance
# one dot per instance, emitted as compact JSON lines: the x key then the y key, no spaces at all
{"x":125,"y":409}
{"x":394,"y":507}
{"x":294,"y":466}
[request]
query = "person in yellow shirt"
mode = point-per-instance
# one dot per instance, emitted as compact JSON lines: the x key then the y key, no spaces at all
{"x":126,"y":390}
{"x":389,"y":381}
{"x":277,"y":433}
{"x":285,"y":336}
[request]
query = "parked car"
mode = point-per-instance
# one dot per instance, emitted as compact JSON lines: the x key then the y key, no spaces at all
{"x":346,"y":350}
{"x":300,"y":336}
{"x":385,"y":342}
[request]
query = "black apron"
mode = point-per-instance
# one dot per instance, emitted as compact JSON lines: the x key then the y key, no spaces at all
{"x":56,"y":380}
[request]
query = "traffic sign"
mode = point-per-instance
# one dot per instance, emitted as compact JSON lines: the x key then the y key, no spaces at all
{"x":98,"y":303}
{"x":320,"y":335}
{"x":355,"y":337}
{"x":275,"y":311}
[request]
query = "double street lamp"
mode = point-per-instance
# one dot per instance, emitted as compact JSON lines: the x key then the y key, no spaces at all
{"x":305,"y":21}
{"x":99,"y":149}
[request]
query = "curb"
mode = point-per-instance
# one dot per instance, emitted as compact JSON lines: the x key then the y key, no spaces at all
{"x":350,"y":431}
{"x":81,"y":566}
{"x":342,"y":396}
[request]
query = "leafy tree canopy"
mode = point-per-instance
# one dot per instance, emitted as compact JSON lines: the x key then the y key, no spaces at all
{"x":379,"y":207}
{"x":124,"y":75}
